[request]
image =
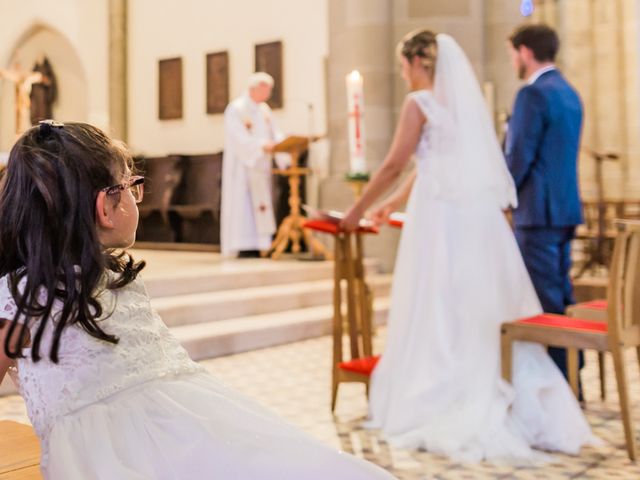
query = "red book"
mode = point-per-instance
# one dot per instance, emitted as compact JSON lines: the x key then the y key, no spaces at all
{"x":332,"y":216}
{"x":397,"y":219}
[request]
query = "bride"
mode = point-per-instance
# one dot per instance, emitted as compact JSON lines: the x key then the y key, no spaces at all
{"x":458,"y":276}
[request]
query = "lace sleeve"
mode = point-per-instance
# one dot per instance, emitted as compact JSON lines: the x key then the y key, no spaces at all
{"x":8,"y":312}
{"x":7,"y":303}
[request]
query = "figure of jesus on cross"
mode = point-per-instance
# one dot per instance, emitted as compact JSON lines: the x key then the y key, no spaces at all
{"x":23,"y":81}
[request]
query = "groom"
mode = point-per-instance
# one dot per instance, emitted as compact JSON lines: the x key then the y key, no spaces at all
{"x":542,"y":145}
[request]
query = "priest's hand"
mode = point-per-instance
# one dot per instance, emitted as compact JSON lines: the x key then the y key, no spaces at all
{"x":351,"y":220}
{"x":268,"y":147}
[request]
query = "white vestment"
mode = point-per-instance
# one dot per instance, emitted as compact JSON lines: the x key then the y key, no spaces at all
{"x":247,"y":219}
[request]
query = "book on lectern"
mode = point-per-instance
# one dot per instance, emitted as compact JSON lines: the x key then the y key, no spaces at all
{"x":397,"y":219}
{"x":332,"y":216}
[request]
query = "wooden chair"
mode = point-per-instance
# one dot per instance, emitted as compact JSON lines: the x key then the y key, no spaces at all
{"x":620,"y":332}
{"x":349,"y":268}
{"x":19,"y":452}
{"x":162,"y":175}
{"x":596,"y":311}
{"x":197,"y":199}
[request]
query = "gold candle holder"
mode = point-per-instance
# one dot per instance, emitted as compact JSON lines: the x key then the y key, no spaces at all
{"x":357,"y":181}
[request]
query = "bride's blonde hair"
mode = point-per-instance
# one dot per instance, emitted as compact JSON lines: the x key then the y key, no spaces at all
{"x":421,"y":44}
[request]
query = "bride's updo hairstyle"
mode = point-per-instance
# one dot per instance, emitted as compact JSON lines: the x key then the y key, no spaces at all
{"x":421,"y":44}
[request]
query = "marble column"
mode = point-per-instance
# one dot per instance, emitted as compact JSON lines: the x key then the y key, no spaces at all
{"x":118,"y":68}
{"x":501,"y":17}
{"x":599,"y":54}
{"x":360,"y":38}
{"x":629,"y":35}
{"x":578,"y":64}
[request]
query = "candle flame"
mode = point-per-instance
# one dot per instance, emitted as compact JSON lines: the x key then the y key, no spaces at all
{"x":355,"y":76}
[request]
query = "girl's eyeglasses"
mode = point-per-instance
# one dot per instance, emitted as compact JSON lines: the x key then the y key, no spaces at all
{"x":135,"y":184}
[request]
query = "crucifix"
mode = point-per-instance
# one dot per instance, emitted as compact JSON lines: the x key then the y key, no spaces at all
{"x":22,"y":81}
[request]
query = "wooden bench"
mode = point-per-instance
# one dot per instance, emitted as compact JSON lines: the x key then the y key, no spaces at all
{"x":162,"y":175}
{"x":197,"y":199}
{"x":19,"y":452}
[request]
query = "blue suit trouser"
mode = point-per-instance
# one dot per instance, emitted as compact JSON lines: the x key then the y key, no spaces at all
{"x":547,"y":255}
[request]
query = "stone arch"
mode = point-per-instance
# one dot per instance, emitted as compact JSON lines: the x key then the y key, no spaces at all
{"x":73,"y":95}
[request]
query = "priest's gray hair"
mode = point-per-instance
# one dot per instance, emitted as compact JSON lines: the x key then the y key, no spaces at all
{"x":259,"y":78}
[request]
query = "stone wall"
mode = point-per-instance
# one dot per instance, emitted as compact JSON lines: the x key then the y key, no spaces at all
{"x":599,"y":56}
{"x":195,"y":28}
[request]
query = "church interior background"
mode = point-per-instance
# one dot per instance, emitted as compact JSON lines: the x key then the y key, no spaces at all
{"x":262,"y":325}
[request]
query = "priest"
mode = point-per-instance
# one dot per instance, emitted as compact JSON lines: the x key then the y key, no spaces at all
{"x":247,"y":219}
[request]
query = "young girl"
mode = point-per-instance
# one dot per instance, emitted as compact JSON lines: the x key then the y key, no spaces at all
{"x":111,"y":394}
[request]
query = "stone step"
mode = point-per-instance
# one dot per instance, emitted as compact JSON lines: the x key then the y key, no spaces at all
{"x":225,"y":337}
{"x":222,"y":276}
{"x":226,"y":304}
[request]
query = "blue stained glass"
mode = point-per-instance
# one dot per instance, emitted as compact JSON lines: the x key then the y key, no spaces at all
{"x":526,"y":8}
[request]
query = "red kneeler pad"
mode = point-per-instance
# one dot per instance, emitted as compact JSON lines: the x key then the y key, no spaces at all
{"x":564,"y":322}
{"x":363,"y":366}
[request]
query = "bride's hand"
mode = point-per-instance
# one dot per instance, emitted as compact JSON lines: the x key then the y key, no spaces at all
{"x":380,"y":215}
{"x":351,"y":219}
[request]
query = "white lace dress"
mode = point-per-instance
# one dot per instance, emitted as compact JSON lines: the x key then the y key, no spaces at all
{"x":143,"y":410}
{"x":458,"y":276}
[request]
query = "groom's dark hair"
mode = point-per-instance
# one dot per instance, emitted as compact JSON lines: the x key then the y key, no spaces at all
{"x":541,"y":39}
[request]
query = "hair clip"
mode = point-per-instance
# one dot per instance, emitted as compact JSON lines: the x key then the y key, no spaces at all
{"x":51,"y":123}
{"x":45,"y":128}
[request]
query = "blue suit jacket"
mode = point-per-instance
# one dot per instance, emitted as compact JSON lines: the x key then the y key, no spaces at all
{"x":542,"y":153}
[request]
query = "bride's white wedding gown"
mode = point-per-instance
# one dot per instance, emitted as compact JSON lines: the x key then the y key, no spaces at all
{"x":458,"y":276}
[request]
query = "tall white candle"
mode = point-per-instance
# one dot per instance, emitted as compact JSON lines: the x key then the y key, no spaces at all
{"x":355,"y":105}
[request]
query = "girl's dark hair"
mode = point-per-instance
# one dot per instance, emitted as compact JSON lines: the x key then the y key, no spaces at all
{"x":541,"y":39}
{"x":48,"y":238}
{"x":422,"y":44}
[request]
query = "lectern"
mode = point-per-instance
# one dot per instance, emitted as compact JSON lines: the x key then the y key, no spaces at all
{"x":290,"y":229}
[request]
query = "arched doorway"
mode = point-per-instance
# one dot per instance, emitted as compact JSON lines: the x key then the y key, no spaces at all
{"x":72,"y":101}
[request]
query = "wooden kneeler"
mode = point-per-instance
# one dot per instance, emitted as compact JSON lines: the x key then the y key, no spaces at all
{"x":349,"y":268}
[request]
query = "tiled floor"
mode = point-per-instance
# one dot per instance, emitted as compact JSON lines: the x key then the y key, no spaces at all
{"x":293,"y":380}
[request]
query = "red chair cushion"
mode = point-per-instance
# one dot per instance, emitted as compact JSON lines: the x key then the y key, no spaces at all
{"x":564,"y":322}
{"x":594,"y":305}
{"x":333,"y":228}
{"x":360,"y":365}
